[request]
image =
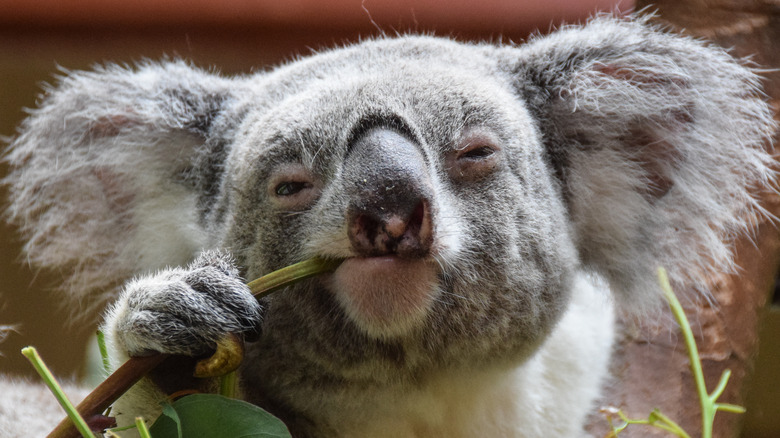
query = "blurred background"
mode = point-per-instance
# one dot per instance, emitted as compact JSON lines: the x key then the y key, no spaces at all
{"x":38,"y":38}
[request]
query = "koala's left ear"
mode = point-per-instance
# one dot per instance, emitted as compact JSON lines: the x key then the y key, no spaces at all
{"x":116,"y":172}
{"x":659,"y":142}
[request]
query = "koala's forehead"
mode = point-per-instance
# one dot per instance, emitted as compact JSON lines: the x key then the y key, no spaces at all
{"x":434,"y":87}
{"x":383,"y":55}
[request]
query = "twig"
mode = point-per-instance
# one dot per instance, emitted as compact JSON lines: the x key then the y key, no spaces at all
{"x":136,"y":367}
{"x":107,"y":392}
{"x":281,"y":278}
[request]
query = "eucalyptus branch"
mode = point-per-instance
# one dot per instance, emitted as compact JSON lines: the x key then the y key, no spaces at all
{"x":284,"y":277}
{"x":136,"y":367}
{"x":108,"y":391}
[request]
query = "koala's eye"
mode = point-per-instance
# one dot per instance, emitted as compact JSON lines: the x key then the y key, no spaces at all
{"x":292,"y":187}
{"x":476,"y":155}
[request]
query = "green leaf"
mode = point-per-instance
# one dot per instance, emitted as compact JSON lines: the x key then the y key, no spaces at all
{"x":168,"y":425}
{"x":215,"y":416}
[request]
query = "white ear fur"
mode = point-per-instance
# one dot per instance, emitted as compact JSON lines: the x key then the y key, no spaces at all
{"x":660,"y":142}
{"x":99,"y":185}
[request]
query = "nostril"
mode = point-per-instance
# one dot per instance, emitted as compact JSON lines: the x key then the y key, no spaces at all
{"x":415,"y":224}
{"x":389,"y":211}
{"x":417,"y":237}
{"x":405,"y":235}
{"x":363,"y":231}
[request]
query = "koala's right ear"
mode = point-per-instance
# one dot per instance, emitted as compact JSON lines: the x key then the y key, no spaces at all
{"x":113,"y":174}
{"x":659,"y":142}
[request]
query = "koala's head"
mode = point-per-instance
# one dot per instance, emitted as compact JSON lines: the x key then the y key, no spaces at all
{"x":464,"y":184}
{"x":415,"y":161}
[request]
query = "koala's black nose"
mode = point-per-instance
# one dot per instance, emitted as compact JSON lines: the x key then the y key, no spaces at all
{"x":390,"y":189}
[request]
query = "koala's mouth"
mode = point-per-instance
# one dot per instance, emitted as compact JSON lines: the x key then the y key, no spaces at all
{"x":386,"y":296}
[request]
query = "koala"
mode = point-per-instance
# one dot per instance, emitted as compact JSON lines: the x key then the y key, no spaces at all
{"x":494,"y":204}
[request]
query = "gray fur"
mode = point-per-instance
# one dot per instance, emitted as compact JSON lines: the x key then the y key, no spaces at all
{"x":186,"y":310}
{"x":609,"y":148}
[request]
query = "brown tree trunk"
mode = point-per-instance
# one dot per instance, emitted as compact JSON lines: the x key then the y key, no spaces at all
{"x":651,"y":365}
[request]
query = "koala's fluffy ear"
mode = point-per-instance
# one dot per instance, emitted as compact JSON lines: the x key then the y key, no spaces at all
{"x":112,"y":174}
{"x":660,"y":143}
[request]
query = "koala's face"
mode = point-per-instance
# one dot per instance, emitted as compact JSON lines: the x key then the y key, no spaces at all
{"x":435,"y":190}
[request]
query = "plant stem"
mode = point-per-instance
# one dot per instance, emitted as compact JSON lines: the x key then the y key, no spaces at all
{"x":143,"y":431}
{"x":276,"y":280}
{"x":136,"y":367}
{"x":655,"y":419}
{"x":708,"y":406}
{"x":101,"y":341}
{"x":73,"y":416}
{"x":111,"y":389}
{"x":669,"y":425}
{"x":228,"y":384}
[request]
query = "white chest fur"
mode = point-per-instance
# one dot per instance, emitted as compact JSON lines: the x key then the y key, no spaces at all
{"x":550,"y":395}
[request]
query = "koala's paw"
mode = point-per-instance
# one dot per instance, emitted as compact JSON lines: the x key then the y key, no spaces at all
{"x":184,"y":310}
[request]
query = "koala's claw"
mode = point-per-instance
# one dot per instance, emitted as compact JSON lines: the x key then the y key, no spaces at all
{"x":227,"y":358}
{"x":186,"y":310}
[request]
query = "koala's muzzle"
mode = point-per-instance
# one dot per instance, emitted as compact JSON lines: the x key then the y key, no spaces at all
{"x":389,"y":188}
{"x":390,"y":284}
